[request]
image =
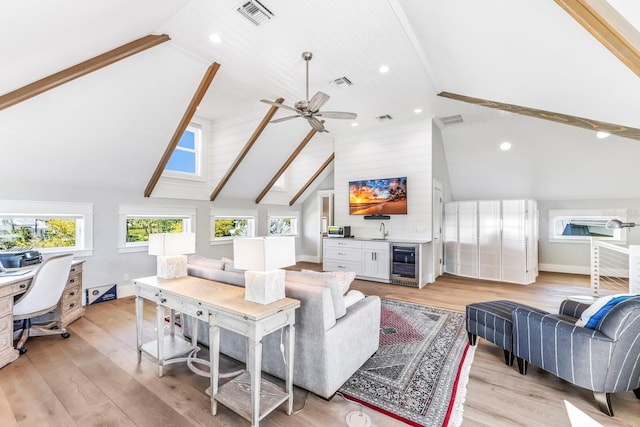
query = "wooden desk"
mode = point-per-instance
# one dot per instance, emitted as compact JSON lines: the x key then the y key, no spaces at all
{"x":223,"y":306}
{"x":69,"y":307}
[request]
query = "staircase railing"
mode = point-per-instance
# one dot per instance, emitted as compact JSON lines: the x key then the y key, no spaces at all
{"x":614,"y":268}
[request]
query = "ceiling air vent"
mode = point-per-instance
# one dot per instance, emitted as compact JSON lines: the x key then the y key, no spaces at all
{"x":342,"y":82}
{"x":384,"y":117}
{"x":451,"y":120}
{"x":255,"y":12}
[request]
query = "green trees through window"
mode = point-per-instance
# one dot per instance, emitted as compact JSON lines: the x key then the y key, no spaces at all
{"x":231,"y":227}
{"x":36,"y":232}
{"x":138,"y":229}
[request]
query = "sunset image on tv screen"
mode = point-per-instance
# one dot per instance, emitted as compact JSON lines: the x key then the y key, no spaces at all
{"x":378,"y":196}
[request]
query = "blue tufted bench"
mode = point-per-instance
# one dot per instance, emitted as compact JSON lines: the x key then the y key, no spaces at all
{"x":491,"y":320}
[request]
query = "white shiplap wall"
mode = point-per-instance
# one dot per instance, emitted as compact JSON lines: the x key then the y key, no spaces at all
{"x":398,"y":151}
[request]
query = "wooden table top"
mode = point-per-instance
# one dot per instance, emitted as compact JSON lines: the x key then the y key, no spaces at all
{"x":218,"y":296}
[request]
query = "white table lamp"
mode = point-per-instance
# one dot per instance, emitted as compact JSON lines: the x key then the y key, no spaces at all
{"x":171,"y":250}
{"x":262,"y":257}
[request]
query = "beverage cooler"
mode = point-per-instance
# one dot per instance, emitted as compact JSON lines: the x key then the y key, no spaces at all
{"x":405,"y":264}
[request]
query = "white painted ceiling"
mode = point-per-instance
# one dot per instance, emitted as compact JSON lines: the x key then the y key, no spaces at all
{"x":119,"y":120}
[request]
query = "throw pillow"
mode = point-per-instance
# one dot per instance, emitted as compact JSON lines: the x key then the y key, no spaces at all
{"x":344,"y":278}
{"x":228,"y":266}
{"x":592,"y":316}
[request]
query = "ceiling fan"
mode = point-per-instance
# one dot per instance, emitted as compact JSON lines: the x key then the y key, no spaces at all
{"x":310,"y":108}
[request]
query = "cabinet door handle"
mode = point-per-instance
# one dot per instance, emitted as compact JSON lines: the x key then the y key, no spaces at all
{"x":341,"y":266}
{"x":199,"y":313}
{"x":341,"y":253}
{"x":72,"y":305}
{"x":163,"y":300}
{"x":72,"y":280}
{"x":72,"y":294}
{"x":23,"y":285}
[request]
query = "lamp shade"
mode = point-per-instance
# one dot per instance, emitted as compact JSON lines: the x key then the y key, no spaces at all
{"x":170,"y":244}
{"x":264,"y":253}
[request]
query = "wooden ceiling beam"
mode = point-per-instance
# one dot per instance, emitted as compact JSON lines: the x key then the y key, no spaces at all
{"x":182,"y":126}
{"x":81,"y":69}
{"x":286,"y":164}
{"x":313,"y":178}
{"x":245,"y":150}
{"x":595,"y":125}
{"x":607,"y":25}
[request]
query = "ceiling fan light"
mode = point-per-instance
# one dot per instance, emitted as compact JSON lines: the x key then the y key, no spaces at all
{"x":215,"y":38}
{"x":602,"y":134}
{"x":383,"y":69}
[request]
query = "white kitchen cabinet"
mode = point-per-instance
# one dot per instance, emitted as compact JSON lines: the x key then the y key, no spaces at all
{"x":342,"y":255}
{"x":492,"y":240}
{"x":375,"y":260}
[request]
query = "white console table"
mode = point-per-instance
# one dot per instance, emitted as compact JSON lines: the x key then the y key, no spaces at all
{"x":222,"y":306}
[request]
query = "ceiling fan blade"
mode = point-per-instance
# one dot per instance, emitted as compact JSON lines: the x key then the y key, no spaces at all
{"x":336,"y":115}
{"x":318,"y":100}
{"x":275,"y":104}
{"x":284,"y":119}
{"x":316,"y":124}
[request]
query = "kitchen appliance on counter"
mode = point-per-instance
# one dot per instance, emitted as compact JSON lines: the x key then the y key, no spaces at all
{"x":405,"y":264}
{"x":339,"y":231}
{"x":15,"y":258}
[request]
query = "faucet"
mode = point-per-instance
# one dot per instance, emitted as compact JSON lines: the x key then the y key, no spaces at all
{"x":383,"y":230}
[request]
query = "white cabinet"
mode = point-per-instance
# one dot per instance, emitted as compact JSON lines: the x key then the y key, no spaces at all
{"x":492,"y":240}
{"x":375,"y":260}
{"x":342,"y":255}
{"x":369,"y":260}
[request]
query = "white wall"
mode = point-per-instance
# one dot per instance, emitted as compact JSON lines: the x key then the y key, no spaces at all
{"x":394,"y":152}
{"x":439,"y":162}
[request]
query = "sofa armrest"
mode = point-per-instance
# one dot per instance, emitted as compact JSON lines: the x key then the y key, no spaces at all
{"x":316,"y":312}
{"x":572,"y":308}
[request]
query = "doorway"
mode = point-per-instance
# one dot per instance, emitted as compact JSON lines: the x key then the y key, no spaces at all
{"x":325,"y":216}
{"x":438,"y":207}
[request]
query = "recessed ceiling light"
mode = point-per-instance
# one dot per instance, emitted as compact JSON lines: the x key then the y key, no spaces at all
{"x":418,"y":110}
{"x":383,"y":69}
{"x":505,"y":146}
{"x":215,"y":38}
{"x":602,"y":135}
{"x":354,"y":124}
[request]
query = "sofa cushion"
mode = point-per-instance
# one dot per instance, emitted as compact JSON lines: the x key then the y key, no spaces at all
{"x":205,"y":262}
{"x":315,"y":278}
{"x":344,"y":278}
{"x":352,"y":297}
{"x":592,"y":316}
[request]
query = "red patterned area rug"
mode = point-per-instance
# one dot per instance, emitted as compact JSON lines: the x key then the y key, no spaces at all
{"x":420,"y":372}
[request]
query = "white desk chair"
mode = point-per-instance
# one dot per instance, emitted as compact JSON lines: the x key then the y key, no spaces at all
{"x":42,"y":297}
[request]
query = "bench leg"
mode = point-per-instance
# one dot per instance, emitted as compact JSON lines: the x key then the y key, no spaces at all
{"x":472,"y":338}
{"x":508,"y":358}
{"x":522,"y":365}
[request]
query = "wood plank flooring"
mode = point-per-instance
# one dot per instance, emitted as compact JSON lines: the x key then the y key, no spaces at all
{"x":93,"y":378}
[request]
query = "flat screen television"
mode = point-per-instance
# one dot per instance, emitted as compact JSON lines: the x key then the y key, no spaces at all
{"x":387,"y":196}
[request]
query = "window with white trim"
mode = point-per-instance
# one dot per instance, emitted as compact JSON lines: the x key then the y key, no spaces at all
{"x":50,"y":227}
{"x":226,"y":227}
{"x":186,"y":158}
{"x":580,"y":225}
{"x":283,"y":225}
{"x":137,"y":222}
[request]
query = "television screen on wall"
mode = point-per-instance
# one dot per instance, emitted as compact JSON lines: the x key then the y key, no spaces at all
{"x":387,"y":196}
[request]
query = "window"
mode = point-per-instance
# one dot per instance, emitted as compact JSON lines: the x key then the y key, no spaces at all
{"x":281,"y":183}
{"x":283,"y":225}
{"x":137,"y":222}
{"x":580,"y":225}
{"x":228,"y":228}
{"x":49,"y":227}
{"x":185,"y":160}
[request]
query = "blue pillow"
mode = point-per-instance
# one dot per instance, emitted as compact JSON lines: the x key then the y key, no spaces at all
{"x":593,"y":315}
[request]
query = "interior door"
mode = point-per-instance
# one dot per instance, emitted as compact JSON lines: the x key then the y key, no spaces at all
{"x":325,"y":217}
{"x":438,"y":208}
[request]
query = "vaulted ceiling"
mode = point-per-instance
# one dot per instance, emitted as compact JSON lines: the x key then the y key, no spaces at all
{"x":111,"y":127}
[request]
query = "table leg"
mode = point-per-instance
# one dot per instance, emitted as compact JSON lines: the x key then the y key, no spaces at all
{"x":160,"y":342}
{"x":290,"y":333}
{"x":254,"y":365}
{"x":139,"y":320}
{"x":214,"y":361}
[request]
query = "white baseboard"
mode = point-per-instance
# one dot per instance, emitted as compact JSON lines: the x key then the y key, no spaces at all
{"x":561,"y":268}
{"x":308,"y":258}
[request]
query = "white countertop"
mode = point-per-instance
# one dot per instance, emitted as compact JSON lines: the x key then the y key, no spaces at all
{"x":388,"y":239}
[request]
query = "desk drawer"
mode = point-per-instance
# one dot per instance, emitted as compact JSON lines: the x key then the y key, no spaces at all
{"x":71,"y":303}
{"x":147,"y":293}
{"x":187,"y":307}
{"x":15,"y":288}
{"x":74,"y":280}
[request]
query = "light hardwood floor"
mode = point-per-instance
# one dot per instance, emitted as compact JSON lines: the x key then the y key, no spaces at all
{"x":93,"y":378}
